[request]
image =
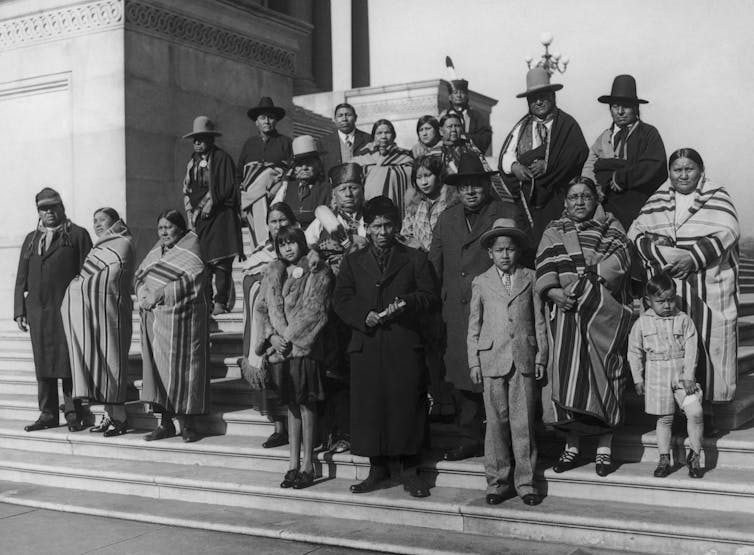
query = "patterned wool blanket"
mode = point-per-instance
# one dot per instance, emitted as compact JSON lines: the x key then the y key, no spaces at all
{"x":709,"y":233}
{"x":387,"y":174}
{"x":587,"y":365}
{"x":174,"y":334}
{"x":96,"y":313}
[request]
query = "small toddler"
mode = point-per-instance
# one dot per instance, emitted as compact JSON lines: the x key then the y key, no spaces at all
{"x":662,"y":351}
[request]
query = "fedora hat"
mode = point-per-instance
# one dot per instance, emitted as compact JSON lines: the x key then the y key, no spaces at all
{"x":624,"y":90}
{"x":349,"y":172}
{"x":202,"y":126}
{"x":48,"y":197}
{"x":469,"y":166}
{"x":266,"y":106}
{"x":538,"y":80}
{"x":305,"y":146}
{"x":504,"y":227}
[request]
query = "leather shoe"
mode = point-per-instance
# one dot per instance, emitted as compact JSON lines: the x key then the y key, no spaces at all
{"x":160,"y":432}
{"x":289,"y":479}
{"x":463,"y":452}
{"x":567,"y":461}
{"x":40,"y":425}
{"x":116,"y":429}
{"x":275,"y":440}
{"x":415,"y":486}
{"x":303,"y":480}
{"x":603,"y":465}
{"x":189,"y":434}
{"x":75,"y":424}
{"x":373,"y":482}
{"x":531,"y":499}
{"x":494,"y":498}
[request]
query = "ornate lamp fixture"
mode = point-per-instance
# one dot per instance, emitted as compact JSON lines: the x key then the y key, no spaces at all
{"x":549,"y":62}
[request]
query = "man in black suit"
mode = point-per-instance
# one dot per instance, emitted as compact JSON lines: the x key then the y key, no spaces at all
{"x":476,"y":128}
{"x":341,"y":145}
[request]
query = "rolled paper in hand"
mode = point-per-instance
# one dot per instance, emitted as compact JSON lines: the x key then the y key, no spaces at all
{"x":332,"y":225}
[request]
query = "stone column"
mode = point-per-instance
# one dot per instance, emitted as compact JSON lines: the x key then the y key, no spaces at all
{"x":360,"y":70}
{"x":340,"y":17}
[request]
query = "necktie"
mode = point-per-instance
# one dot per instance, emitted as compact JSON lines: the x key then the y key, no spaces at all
{"x":542,"y":133}
{"x":349,"y":142}
{"x":507,"y":283}
{"x":619,"y":144}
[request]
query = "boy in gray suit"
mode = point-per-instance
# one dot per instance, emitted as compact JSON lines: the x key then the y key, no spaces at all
{"x":507,"y":349}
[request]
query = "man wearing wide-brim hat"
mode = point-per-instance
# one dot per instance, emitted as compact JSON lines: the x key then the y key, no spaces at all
{"x":211,"y":201}
{"x":542,"y":153}
{"x":51,"y":256}
{"x":628,"y":158}
{"x":304,"y":187}
{"x":266,"y":156}
{"x":457,"y":259}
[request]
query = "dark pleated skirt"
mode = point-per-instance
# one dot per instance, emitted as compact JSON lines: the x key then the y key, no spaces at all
{"x":298,"y":381}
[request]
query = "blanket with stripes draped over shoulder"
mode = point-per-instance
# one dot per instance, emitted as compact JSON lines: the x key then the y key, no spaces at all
{"x":174,"y":334}
{"x":386,"y":174}
{"x":96,"y":313}
{"x":587,"y":365}
{"x":708,"y":232}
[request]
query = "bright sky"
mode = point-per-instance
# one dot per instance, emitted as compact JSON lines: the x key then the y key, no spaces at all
{"x":691,"y":59}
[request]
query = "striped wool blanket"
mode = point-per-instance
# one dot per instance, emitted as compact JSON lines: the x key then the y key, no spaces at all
{"x":387,"y":175}
{"x":174,"y":334}
{"x":587,"y":366}
{"x":708,"y":232}
{"x":96,"y":314}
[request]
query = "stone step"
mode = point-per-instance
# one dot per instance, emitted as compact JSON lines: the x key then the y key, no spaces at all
{"x":324,"y":531}
{"x":655,"y":526}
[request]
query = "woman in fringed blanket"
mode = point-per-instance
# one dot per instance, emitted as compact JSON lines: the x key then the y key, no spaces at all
{"x":291,"y":312}
{"x":387,"y":167}
{"x":170,"y":289}
{"x":582,"y":273}
{"x":279,"y":215}
{"x":689,"y":228}
{"x":97,"y":316}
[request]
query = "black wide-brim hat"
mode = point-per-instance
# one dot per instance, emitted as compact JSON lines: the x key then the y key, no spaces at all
{"x":266,"y":106}
{"x":469,"y":166}
{"x":624,"y":90}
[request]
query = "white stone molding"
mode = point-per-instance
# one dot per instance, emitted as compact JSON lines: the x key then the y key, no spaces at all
{"x":39,"y":84}
{"x":183,"y":28}
{"x":61,"y":23}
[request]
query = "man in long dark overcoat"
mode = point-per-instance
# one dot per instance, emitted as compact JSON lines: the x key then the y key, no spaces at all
{"x":51,"y":256}
{"x":381,"y":292}
{"x":457,"y":259}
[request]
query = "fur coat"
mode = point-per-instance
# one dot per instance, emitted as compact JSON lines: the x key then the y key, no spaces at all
{"x":294,"y":308}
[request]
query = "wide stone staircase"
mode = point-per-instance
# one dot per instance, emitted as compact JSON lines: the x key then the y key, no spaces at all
{"x":228,"y":482}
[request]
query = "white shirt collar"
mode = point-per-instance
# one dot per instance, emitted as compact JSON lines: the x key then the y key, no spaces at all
{"x":343,"y":135}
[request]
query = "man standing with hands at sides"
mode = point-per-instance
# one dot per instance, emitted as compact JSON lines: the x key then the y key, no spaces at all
{"x":261,"y":165}
{"x":51,"y":256}
{"x":341,"y":145}
{"x":542,"y":153}
{"x":457,"y":260}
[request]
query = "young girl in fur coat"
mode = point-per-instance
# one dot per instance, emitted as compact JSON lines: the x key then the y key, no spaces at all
{"x":291,"y":312}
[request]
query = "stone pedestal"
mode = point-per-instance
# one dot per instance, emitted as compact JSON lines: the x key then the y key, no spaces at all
{"x":95,"y":97}
{"x":402,"y":104}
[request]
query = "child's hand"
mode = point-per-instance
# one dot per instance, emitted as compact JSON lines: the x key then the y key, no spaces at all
{"x":476,"y":375}
{"x":639,"y":389}
{"x":689,"y":386}
{"x":539,"y":371}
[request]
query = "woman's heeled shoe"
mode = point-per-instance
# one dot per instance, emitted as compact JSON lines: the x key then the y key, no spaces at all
{"x":103,"y":425}
{"x":304,"y":480}
{"x":663,"y":467}
{"x":694,"y":464}
{"x":116,"y":429}
{"x":603,"y":464}
{"x":289,"y":479}
{"x":566,"y":461}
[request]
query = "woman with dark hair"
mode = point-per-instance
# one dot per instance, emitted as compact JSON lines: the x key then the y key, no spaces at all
{"x":582,"y":274}
{"x":170,"y":289}
{"x":291,"y":311}
{"x":388,"y":384}
{"x":428,"y":133}
{"x":97,"y":315}
{"x":279,"y":216}
{"x":689,"y":229}
{"x":387,"y":167}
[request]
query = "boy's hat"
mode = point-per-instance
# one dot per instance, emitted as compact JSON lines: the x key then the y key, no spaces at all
{"x":506,"y":227}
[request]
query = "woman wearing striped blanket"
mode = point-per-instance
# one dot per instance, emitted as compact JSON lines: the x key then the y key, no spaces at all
{"x":582,"y":274}
{"x":171,"y":291}
{"x":689,"y":229}
{"x":96,"y":314}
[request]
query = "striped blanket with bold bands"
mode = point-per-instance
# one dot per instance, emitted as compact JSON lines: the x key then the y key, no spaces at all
{"x":709,"y":233}
{"x":387,"y":175}
{"x":174,"y":334}
{"x":587,"y":366}
{"x":96,"y":314}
